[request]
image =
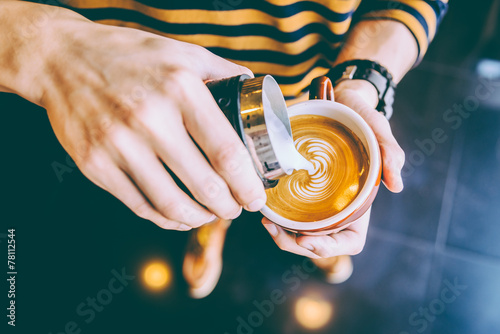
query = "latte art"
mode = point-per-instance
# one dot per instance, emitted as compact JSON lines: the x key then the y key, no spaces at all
{"x":340,"y":169}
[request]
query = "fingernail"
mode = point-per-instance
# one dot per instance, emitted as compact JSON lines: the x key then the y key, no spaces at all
{"x":238,"y":214}
{"x":308,"y":246}
{"x":272,"y":229}
{"x":212,"y":217}
{"x":256,"y":205}
{"x":184,"y":227}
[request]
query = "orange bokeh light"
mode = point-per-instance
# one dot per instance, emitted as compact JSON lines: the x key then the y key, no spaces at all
{"x":313,"y":313}
{"x":156,"y":275}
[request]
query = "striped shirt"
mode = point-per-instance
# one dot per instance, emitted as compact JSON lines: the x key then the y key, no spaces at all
{"x":293,"y":40}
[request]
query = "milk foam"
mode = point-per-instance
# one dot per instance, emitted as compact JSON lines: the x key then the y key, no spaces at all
{"x":341,"y":168}
{"x":286,"y":153}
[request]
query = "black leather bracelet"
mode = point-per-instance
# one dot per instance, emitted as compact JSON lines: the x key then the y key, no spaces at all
{"x":374,"y":73}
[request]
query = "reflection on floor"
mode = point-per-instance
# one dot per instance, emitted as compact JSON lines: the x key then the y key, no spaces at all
{"x":431,"y":262}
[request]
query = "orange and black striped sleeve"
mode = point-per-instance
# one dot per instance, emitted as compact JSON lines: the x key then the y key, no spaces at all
{"x":421,"y":17}
{"x":295,"y":41}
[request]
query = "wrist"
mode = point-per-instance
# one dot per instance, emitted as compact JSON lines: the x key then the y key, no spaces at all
{"x":28,"y":39}
{"x":362,"y":87}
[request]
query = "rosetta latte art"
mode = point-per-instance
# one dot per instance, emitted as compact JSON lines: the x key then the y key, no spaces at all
{"x":340,"y":169}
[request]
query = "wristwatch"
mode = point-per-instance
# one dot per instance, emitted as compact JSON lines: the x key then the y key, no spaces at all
{"x":372,"y":72}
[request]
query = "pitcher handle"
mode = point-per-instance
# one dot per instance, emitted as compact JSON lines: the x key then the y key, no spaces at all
{"x":321,"y":88}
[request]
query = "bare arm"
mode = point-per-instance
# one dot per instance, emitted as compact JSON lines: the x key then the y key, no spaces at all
{"x":393,"y":46}
{"x":123,"y":102}
{"x":24,"y":45}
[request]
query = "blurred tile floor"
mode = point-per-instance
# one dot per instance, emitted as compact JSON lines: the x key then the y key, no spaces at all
{"x":431,"y":262}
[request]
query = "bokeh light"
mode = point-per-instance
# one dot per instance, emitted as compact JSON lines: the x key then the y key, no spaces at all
{"x":156,"y":275}
{"x":313,"y":313}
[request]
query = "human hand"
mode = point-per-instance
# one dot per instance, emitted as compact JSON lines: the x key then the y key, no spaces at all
{"x":360,"y":96}
{"x":123,"y":102}
{"x":349,"y":241}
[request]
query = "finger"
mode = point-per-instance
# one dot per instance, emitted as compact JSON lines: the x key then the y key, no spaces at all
{"x":147,"y":172}
{"x":190,"y":166}
{"x":112,"y":179}
{"x":392,"y":155}
{"x":214,"y":67}
{"x":393,"y":158}
{"x":346,"y":242}
{"x":225,"y":150}
{"x":286,"y":240}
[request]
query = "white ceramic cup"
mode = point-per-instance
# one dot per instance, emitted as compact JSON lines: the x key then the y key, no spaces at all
{"x":363,"y":201}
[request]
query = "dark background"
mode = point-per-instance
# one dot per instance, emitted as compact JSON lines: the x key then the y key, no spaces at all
{"x":444,"y":227}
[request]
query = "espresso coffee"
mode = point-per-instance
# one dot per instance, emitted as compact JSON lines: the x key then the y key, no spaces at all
{"x":341,"y":167}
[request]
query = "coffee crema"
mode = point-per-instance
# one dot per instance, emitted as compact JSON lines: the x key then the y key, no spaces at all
{"x":341,"y":167}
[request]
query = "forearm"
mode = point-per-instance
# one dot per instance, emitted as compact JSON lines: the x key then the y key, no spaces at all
{"x":389,"y":43}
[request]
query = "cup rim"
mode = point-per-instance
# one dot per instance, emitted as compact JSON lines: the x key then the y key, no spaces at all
{"x":306,"y":108}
